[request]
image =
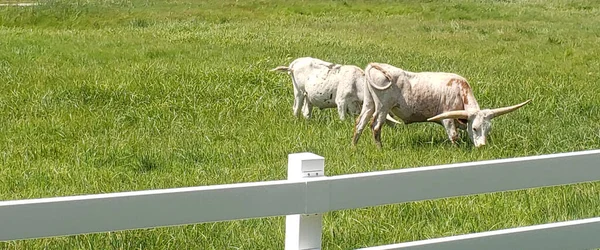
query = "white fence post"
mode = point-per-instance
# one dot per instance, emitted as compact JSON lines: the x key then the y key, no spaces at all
{"x":303,"y":231}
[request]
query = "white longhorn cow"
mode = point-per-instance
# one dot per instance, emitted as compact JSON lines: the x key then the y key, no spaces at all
{"x":444,"y":98}
{"x":325,"y":85}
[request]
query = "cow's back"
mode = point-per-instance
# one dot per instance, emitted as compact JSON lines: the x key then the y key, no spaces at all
{"x":415,"y":97}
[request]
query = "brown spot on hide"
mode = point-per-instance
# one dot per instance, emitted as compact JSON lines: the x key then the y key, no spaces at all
{"x":334,"y":66}
{"x":451,"y":82}
{"x":465,"y":89}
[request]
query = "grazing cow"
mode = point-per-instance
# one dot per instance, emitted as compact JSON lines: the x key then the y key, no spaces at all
{"x":444,"y":98}
{"x":325,"y":85}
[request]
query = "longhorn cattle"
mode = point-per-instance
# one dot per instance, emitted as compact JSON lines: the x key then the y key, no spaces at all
{"x":322,"y":84}
{"x":444,"y":98}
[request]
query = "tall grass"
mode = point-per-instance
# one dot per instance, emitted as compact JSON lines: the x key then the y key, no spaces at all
{"x":105,"y":96}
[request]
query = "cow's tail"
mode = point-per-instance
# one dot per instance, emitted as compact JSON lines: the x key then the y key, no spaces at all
{"x":290,"y":71}
{"x":370,"y":84}
{"x":383,"y":71}
{"x":282,"y":69}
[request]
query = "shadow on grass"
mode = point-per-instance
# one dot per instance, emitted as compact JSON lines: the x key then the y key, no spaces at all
{"x":147,"y":163}
{"x":433,"y":141}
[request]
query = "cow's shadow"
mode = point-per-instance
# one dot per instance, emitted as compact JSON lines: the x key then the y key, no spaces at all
{"x":424,"y":136}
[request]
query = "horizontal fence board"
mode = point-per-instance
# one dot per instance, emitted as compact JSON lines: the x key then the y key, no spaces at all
{"x":425,"y":183}
{"x":578,"y":234}
{"x":60,"y":216}
{"x":37,"y":218}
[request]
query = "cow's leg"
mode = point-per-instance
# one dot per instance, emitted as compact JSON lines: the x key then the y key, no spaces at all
{"x":354,"y":108}
{"x":342,"y":111}
{"x":344,"y":99}
{"x":367,"y":111}
{"x":346,"y":107}
{"x":298,"y":101}
{"x":378,"y":121}
{"x":307,"y":108}
{"x":341,"y":104}
{"x":451,"y":130}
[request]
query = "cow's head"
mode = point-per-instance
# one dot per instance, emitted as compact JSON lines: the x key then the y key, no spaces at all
{"x":479,"y":122}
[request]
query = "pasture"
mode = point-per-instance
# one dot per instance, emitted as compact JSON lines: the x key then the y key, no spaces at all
{"x":108,"y":96}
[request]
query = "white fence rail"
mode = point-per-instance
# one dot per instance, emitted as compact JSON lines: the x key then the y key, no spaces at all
{"x":307,"y":194}
{"x":577,"y":234}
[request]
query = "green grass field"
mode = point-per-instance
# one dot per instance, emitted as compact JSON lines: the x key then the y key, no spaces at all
{"x":104,"y":96}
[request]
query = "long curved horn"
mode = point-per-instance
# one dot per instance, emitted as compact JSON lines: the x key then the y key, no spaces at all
{"x":456,"y":114}
{"x":390,"y":118}
{"x":500,"y":111}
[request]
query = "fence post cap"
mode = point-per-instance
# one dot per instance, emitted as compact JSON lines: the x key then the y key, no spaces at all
{"x":305,"y":164}
{"x":305,"y":156}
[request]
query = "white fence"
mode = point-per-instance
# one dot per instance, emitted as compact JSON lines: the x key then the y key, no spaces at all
{"x":307,"y":194}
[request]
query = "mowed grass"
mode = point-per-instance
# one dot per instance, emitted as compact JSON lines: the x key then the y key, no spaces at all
{"x":108,"y":96}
